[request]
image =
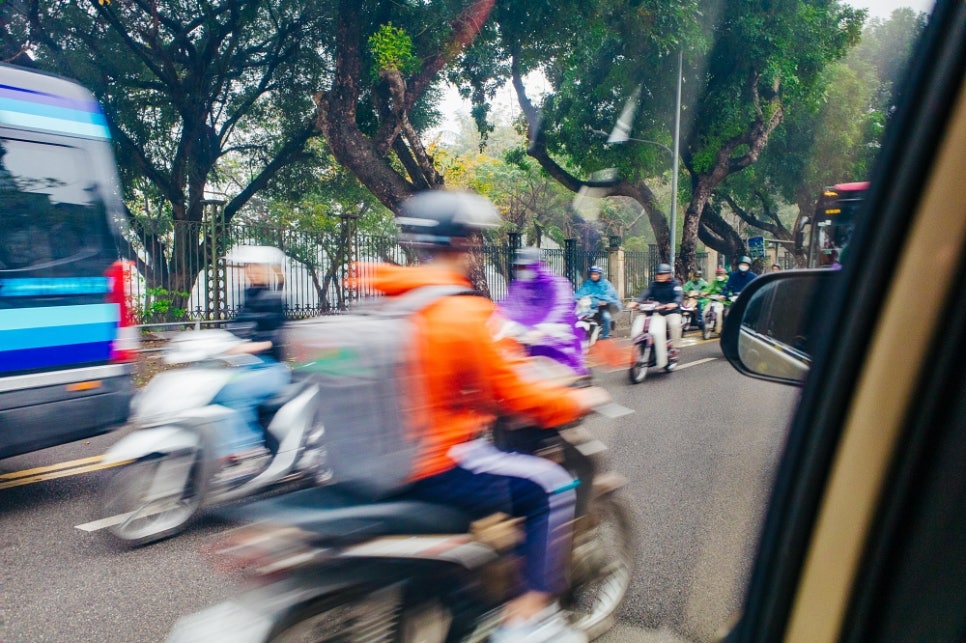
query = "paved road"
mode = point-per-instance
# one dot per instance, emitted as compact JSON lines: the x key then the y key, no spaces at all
{"x":699,"y":453}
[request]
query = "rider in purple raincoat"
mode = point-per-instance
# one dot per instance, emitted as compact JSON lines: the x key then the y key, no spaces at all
{"x":540,"y":306}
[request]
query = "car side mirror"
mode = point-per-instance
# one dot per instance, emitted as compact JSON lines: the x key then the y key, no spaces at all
{"x":769,"y":331}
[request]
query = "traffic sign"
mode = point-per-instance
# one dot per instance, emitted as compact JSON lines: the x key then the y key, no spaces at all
{"x":756,"y":247}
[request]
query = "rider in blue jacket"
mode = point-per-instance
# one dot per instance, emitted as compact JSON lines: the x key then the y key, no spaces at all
{"x":740,"y":278}
{"x":602,"y":295}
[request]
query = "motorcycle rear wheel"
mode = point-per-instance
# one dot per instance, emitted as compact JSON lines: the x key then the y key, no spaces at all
{"x":145,"y":520}
{"x":378,"y":615}
{"x":592,"y":604}
{"x":638,"y":370}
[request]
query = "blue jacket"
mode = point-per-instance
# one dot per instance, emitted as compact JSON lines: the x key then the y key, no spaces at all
{"x":599,"y":291}
{"x":664,"y":292}
{"x":737,"y":281}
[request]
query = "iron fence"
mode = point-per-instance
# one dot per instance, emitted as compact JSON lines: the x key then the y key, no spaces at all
{"x":182,"y":276}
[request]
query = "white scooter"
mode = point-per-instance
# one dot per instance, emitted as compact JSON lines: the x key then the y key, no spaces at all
{"x":589,"y":319}
{"x":174,"y":461}
{"x":644,"y":348}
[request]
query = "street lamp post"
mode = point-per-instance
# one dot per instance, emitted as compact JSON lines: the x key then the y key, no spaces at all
{"x":619,"y":135}
{"x":677,"y":148}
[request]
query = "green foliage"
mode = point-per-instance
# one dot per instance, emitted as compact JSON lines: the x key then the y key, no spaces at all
{"x":836,"y":136}
{"x":161,"y":306}
{"x":392,"y":50}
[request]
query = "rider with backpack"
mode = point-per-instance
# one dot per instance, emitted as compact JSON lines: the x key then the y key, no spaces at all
{"x":470,"y":377}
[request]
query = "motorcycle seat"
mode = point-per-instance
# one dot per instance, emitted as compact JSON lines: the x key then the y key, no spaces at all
{"x":290,"y":392}
{"x":268,"y":409}
{"x":339,"y":516}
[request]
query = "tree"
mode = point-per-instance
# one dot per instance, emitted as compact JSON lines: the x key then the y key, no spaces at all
{"x":322,"y":217}
{"x":830,"y":138}
{"x":14,"y":38}
{"x":379,"y":94}
{"x":378,"y":99}
{"x":743,"y":69}
{"x":185,"y":86}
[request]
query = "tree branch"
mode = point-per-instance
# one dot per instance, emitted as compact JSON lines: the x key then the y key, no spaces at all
{"x":292,"y":147}
{"x":749,"y":218}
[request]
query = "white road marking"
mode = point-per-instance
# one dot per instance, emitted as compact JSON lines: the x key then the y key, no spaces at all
{"x":695,"y":363}
{"x":103,"y":523}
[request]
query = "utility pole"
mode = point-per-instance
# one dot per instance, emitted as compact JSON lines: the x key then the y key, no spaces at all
{"x":677,"y":152}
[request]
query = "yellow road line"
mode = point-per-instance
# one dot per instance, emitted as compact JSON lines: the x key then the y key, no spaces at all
{"x":53,"y":474}
{"x":53,"y":467}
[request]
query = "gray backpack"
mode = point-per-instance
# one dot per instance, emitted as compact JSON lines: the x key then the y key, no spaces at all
{"x":372,"y":403}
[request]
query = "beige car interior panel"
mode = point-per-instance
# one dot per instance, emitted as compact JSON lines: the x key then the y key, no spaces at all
{"x":886,"y":386}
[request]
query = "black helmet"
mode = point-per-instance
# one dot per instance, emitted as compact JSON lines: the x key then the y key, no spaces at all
{"x":527,"y":257}
{"x":744,"y":259}
{"x":663,"y":269}
{"x":442,"y":219}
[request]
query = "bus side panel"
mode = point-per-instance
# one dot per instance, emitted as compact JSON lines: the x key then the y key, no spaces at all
{"x":56,"y":336}
{"x":44,"y":416}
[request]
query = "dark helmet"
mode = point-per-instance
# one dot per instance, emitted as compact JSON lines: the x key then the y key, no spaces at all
{"x":698,"y":274}
{"x":441,"y":219}
{"x":744,"y":259}
{"x":663,"y":269}
{"x":596,"y":269}
{"x":527,"y":257}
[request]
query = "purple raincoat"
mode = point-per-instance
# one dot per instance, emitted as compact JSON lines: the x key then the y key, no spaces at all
{"x":546,"y":304}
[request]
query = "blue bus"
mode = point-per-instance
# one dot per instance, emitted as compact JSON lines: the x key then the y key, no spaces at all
{"x":67,"y":337}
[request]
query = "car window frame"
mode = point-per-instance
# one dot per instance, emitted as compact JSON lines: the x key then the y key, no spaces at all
{"x":915,"y":137}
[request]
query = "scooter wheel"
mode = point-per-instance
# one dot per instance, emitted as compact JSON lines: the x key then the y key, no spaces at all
{"x":142,"y":514}
{"x":638,"y":370}
{"x":706,"y":332}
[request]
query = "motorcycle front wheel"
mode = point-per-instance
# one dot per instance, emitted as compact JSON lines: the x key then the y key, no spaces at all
{"x":605,"y":554}
{"x":638,"y":370}
{"x":144,"y":509}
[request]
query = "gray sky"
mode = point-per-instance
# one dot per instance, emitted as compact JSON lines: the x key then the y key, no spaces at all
{"x":883,"y":8}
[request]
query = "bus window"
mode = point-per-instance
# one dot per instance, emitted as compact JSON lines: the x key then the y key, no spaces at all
{"x":53,"y":218}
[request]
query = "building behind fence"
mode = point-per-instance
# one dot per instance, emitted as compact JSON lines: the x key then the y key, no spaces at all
{"x":317,"y":267}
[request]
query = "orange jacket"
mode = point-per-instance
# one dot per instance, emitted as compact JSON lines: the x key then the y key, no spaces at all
{"x":468,"y":376}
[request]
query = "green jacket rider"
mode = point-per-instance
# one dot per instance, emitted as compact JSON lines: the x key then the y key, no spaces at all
{"x":697,"y":283}
{"x":717,"y":287}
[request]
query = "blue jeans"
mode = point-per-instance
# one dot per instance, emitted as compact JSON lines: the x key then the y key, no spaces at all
{"x":488,"y":481}
{"x":251,"y":386}
{"x":606,"y":319}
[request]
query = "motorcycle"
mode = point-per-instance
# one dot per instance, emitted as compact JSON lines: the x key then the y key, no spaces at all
{"x":590,"y":320}
{"x":173,"y":463}
{"x":330,"y":566}
{"x":689,"y":311}
{"x":643,"y":355}
{"x":714,"y":315}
